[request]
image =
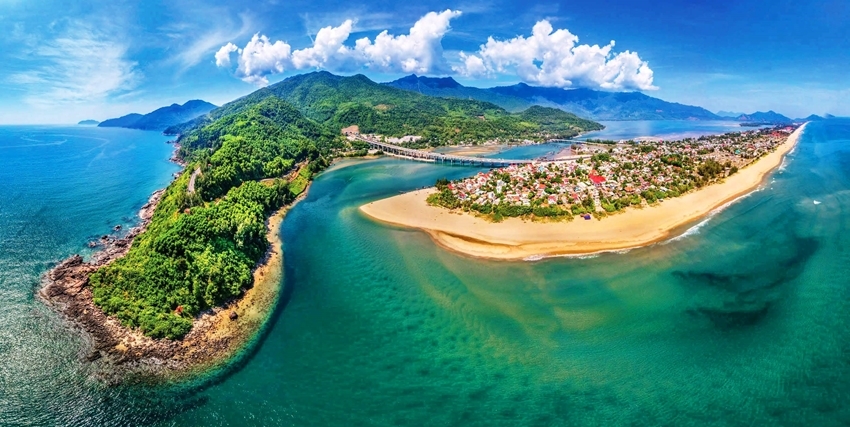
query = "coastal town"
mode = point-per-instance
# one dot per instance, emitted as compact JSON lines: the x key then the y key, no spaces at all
{"x":616,"y":176}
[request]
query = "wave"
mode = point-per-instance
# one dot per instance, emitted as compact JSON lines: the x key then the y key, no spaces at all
{"x":40,"y":143}
{"x":696,"y":228}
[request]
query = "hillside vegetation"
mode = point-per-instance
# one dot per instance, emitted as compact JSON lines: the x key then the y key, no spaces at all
{"x":200,"y":248}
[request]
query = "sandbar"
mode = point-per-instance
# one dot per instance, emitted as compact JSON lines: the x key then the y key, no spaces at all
{"x":516,"y":239}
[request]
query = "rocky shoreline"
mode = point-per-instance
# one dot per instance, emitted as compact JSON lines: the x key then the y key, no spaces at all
{"x":121,"y":354}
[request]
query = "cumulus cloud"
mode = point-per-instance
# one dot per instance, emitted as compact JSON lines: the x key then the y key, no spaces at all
{"x":419,"y":51}
{"x":327,"y":50}
{"x":554,"y":58}
{"x":81,"y":64}
{"x":222,"y":57}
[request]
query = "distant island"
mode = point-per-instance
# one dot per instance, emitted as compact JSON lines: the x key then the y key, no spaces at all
{"x":88,"y":123}
{"x":639,"y":191}
{"x":161,"y":118}
{"x":190,"y":285}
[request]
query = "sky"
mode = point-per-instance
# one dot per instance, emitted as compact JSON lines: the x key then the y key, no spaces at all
{"x":61,"y":62}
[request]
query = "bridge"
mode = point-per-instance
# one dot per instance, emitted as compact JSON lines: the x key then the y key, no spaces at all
{"x":451,"y":159}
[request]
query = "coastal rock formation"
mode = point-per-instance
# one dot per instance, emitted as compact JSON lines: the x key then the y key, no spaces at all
{"x":123,"y":354}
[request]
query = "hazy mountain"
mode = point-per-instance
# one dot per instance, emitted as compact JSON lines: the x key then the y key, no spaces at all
{"x":730,"y":114}
{"x":162,"y":118}
{"x":812,"y":118}
{"x":88,"y":123}
{"x":593,"y":104}
{"x":771,"y":117}
{"x":121,"y":122}
{"x":447,"y":87}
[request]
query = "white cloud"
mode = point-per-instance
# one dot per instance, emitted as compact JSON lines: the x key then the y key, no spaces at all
{"x":80,"y":65}
{"x":420,"y":51}
{"x":327,"y":49}
{"x":553,"y":58}
{"x":222,"y":57}
{"x":260,"y":57}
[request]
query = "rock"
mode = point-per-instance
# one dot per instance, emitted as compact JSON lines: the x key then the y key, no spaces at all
{"x":117,"y":227}
{"x":233,"y":315}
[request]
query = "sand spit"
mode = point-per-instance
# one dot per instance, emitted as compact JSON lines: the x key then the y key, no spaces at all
{"x":517,"y":239}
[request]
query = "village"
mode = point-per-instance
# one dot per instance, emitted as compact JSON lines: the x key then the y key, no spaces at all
{"x":616,"y":176}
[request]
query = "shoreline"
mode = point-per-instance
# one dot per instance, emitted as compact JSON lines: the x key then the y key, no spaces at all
{"x":518,"y":239}
{"x":121,"y":354}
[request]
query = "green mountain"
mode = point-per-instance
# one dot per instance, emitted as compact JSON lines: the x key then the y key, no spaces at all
{"x":594,"y":104}
{"x":88,"y":123}
{"x":162,"y":118}
{"x":339,"y":102}
{"x":202,"y":242}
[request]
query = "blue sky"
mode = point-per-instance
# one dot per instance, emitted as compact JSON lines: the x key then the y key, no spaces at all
{"x":66,"y":61}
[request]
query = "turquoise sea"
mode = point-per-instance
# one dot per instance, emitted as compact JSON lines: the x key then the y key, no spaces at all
{"x":743,"y":320}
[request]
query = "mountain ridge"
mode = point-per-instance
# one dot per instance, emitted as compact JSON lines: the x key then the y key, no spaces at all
{"x":163,"y":117}
{"x":341,"y":101}
{"x":588,"y":103}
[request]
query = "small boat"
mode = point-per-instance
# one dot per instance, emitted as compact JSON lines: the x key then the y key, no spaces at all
{"x":816,"y":202}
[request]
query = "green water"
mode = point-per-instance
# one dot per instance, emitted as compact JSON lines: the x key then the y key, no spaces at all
{"x":742,"y":321}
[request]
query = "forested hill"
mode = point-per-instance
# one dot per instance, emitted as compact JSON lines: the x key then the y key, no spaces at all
{"x":338,"y":102}
{"x":593,"y":104}
{"x":200,"y":247}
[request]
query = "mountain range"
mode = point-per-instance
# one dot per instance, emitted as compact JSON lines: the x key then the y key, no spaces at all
{"x":161,"y":118}
{"x":338,"y":101}
{"x":588,"y":103}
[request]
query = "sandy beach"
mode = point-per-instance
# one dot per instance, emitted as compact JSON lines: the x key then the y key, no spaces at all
{"x":475,"y":150}
{"x":515,"y":239}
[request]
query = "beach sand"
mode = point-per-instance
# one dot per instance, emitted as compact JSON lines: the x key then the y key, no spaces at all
{"x":475,"y":150}
{"x":515,"y":239}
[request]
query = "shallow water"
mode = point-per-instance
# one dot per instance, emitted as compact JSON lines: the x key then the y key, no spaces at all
{"x":741,"y":322}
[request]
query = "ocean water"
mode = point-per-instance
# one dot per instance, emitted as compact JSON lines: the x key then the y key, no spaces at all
{"x":743,"y":321}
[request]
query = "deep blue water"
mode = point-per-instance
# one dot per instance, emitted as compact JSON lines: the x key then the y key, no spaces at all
{"x":743,"y":321}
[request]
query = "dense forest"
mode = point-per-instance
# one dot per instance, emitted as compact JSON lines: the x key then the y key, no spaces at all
{"x":255,"y":155}
{"x":200,"y":248}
